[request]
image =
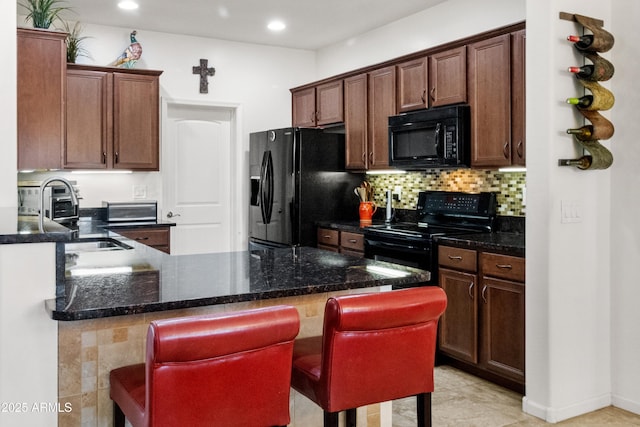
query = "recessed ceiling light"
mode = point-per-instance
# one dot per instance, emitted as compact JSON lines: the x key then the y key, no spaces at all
{"x":128,"y":5}
{"x":276,"y":26}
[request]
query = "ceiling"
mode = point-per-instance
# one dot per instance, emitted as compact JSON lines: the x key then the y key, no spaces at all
{"x":310,"y":24}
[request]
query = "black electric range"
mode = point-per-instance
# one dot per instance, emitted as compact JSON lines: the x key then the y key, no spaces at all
{"x":439,"y":213}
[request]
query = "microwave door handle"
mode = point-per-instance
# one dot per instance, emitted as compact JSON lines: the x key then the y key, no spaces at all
{"x":438,"y":136}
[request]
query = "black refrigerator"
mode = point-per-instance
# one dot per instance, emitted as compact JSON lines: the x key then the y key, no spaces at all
{"x":297,"y":177}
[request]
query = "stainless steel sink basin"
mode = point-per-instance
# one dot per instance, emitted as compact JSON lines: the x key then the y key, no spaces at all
{"x":95,"y":245}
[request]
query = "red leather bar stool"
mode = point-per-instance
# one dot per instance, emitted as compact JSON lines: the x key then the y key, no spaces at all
{"x":232,"y":369}
{"x":374,"y":348}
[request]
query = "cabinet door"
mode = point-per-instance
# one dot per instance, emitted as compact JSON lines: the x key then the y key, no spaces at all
{"x":158,"y":238}
{"x":412,"y":85}
{"x":490,"y":101}
{"x":381,"y":105}
{"x":330,"y":103}
{"x":518,"y":113}
{"x":89,"y":118}
{"x":459,"y":324}
{"x":448,"y":77}
{"x":304,"y":107}
{"x":41,"y":87}
{"x":355,"y":122}
{"x":136,"y":112}
{"x":503,"y":327}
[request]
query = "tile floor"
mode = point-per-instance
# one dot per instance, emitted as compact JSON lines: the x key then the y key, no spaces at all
{"x":463,"y":400}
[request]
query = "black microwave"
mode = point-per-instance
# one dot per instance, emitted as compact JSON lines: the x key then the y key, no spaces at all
{"x":432,"y":138}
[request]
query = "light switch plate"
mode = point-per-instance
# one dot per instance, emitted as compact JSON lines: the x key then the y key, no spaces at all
{"x":570,"y":211}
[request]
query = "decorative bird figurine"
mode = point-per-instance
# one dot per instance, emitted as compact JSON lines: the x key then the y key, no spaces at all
{"x":131,"y":54}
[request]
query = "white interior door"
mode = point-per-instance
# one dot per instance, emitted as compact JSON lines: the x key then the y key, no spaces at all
{"x":197,"y":176}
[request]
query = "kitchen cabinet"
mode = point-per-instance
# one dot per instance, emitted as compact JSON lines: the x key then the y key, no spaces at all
{"x":518,"y":113}
{"x":319,"y":105}
{"x":346,"y":242}
{"x":370,"y":98}
{"x":412,"y":85}
{"x":503,"y":321}
{"x":490,"y":101}
{"x":448,"y":77}
{"x":497,"y":99}
{"x":41,"y":88}
{"x":483,"y":328}
{"x":156,"y":237}
{"x":112,"y":119}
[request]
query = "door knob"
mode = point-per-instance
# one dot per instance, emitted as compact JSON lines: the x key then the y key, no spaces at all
{"x":171,"y":214}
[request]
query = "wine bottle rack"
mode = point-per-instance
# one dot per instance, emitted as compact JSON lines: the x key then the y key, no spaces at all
{"x":598,"y":98}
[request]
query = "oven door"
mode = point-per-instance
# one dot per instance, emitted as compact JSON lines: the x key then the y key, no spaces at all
{"x":401,"y":251}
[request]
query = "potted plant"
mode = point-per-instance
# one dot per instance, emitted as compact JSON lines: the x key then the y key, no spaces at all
{"x":43,"y":12}
{"x":74,"y":41}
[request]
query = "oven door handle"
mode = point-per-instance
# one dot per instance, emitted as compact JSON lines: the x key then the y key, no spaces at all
{"x":396,"y":245}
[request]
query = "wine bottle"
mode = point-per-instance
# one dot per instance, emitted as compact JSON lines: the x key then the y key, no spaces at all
{"x":600,"y":70}
{"x":583,"y":162}
{"x":584,"y":133}
{"x":582,"y":102}
{"x":601,"y":127}
{"x":601,"y":42}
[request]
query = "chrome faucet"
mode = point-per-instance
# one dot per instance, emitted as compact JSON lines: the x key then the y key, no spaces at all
{"x":74,"y":198}
{"x":389,"y":212}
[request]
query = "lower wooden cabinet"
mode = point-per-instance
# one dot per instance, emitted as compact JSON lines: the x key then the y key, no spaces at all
{"x":346,"y":242}
{"x":483,"y":327}
{"x":158,"y":238}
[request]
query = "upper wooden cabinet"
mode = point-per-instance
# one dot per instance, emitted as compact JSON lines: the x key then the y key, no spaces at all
{"x":112,"y":119}
{"x":41,"y":85}
{"x":356,"y":121}
{"x":319,"y":105}
{"x":381,"y":105}
{"x":448,"y":77}
{"x":412,"y":85}
{"x":490,"y":101}
{"x":518,"y":113}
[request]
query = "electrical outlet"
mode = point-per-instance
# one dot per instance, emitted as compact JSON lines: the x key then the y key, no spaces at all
{"x":397,"y":193}
{"x":139,"y":191}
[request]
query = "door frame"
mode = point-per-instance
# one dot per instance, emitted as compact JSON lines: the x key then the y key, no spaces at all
{"x":239,"y":210}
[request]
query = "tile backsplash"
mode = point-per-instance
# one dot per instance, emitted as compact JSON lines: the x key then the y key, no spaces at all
{"x":508,"y":185}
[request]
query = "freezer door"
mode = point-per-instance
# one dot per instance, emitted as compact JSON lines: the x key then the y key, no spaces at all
{"x":257,"y":222}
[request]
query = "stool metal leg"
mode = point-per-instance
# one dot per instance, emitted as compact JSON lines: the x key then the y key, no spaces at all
{"x":330,"y":419}
{"x":118,"y":416}
{"x":351,"y":417}
{"x":424,"y":409}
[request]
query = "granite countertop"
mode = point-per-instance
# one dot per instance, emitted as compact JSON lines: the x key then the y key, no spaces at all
{"x":15,"y":228}
{"x":140,"y":280}
{"x":500,"y":242}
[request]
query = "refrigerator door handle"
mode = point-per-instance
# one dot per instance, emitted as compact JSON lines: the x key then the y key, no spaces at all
{"x":263,"y":183}
{"x":268,"y":192}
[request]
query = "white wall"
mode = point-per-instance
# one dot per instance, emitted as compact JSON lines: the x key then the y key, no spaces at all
{"x":568,"y":265}
{"x":625,"y":209}
{"x":256,"y":77}
{"x":445,"y":22}
{"x":8,"y":147}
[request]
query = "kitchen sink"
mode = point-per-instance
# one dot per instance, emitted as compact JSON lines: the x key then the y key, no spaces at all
{"x":96,"y":245}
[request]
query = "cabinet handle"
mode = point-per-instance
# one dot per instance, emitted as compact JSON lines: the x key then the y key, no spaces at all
{"x":455,"y":258}
{"x":504,"y":266}
{"x":104,"y":157}
{"x":364,"y":156}
{"x":519,"y":149}
{"x":326,"y":236}
{"x":424,"y":96}
{"x":505,"y":150}
{"x":353,"y":241}
{"x":116,"y":157}
{"x":141,"y":238}
{"x":484,"y":294}
{"x":470,"y":288}
{"x":371,"y":158}
{"x":433,"y":94}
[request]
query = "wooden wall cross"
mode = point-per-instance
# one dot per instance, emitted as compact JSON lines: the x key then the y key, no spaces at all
{"x":204,"y":75}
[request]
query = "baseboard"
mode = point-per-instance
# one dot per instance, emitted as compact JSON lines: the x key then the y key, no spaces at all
{"x":555,"y":415}
{"x":626,"y":404}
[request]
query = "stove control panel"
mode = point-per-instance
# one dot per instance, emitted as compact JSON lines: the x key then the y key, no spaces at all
{"x":457,"y":203}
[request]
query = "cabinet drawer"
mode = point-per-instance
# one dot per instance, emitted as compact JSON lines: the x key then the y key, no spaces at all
{"x":148,"y":236}
{"x":327,"y":236}
{"x":457,"y":258}
{"x":353,"y":241}
{"x":502,"y":266}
